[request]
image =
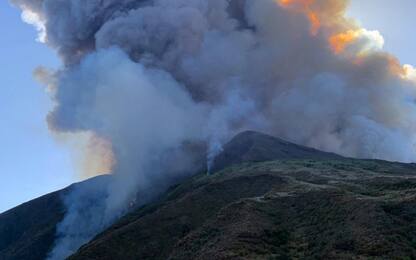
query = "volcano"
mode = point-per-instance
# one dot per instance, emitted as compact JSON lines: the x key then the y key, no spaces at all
{"x":265,"y":199}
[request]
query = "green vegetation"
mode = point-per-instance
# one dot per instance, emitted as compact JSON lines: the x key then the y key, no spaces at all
{"x":283,"y":209}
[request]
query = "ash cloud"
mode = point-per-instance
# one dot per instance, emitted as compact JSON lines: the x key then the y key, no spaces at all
{"x":151,"y":76}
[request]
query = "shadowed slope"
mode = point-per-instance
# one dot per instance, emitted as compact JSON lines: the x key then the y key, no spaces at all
{"x":28,"y":231}
{"x":253,"y":146}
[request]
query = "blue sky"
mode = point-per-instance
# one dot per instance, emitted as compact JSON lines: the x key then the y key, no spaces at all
{"x":395,"y":19}
{"x":32,"y":163}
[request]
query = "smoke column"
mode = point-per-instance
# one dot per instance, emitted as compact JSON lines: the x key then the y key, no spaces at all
{"x":150,"y":76}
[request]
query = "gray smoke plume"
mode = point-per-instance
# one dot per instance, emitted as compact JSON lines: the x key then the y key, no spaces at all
{"x":151,"y":76}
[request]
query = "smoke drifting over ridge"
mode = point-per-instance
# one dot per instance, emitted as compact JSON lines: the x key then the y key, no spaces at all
{"x":148,"y":76}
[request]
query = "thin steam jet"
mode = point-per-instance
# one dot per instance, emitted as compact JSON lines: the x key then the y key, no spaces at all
{"x":151,"y":76}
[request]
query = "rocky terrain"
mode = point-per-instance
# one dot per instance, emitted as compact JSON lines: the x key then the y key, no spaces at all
{"x":267,"y":199}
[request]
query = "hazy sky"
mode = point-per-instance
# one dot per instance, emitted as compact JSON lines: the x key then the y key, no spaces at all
{"x":32,"y":163}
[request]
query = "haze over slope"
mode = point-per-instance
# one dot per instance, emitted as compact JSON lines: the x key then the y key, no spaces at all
{"x":308,"y":204}
{"x":28,"y":231}
{"x":270,"y":198}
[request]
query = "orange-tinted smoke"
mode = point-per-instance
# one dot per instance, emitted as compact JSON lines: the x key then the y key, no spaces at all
{"x":329,"y":16}
{"x":98,"y":157}
{"x":91,"y":154}
{"x":304,"y":6}
{"x":338,"y":42}
{"x":315,"y":22}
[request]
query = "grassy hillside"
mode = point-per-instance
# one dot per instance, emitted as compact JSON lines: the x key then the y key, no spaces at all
{"x":287,"y":209}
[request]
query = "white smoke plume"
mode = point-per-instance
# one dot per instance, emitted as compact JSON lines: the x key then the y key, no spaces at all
{"x":152,"y":76}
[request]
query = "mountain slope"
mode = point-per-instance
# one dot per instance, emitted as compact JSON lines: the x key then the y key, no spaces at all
{"x":308,"y":209}
{"x":266,"y":198}
{"x":273,"y":199}
{"x":28,"y":231}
